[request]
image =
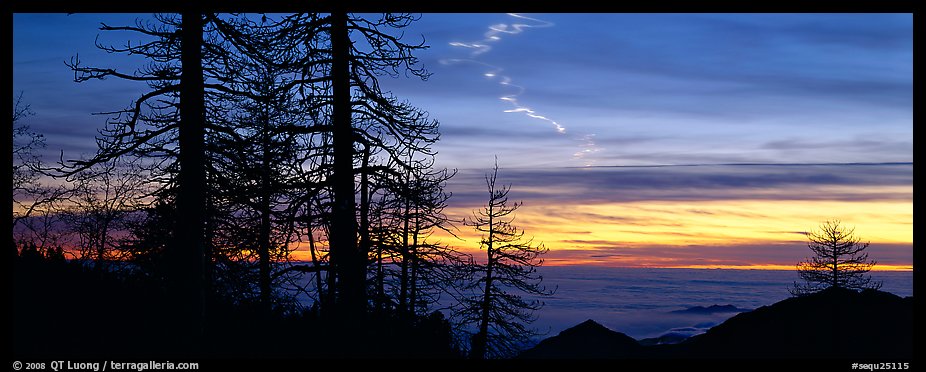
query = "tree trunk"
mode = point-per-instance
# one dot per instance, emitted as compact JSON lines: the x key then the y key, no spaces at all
{"x":188,"y":247}
{"x":481,"y":340}
{"x":403,"y":279}
{"x":365,"y":239}
{"x":365,"y":205}
{"x":413,"y":256}
{"x":318,"y":275}
{"x":264,"y":246}
{"x":380,"y":280}
{"x":365,"y":201}
{"x":101,"y":250}
{"x":346,"y":255}
{"x":835,"y":267}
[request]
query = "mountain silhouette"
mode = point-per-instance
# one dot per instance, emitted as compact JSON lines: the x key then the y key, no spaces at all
{"x":834,"y":323}
{"x":588,"y":340}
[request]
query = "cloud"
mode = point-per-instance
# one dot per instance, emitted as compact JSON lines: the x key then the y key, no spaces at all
{"x":472,"y":132}
{"x":731,"y":66}
{"x":860,"y":144}
{"x":842,"y":182}
{"x":777,"y":253}
{"x":653,"y":88}
{"x":858,"y":31}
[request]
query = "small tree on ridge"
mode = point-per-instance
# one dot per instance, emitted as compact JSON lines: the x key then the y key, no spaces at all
{"x":839,"y":261}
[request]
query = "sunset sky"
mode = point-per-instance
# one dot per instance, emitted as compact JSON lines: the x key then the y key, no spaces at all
{"x":665,"y":140}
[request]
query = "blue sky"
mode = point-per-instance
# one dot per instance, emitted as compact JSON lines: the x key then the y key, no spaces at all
{"x":677,"y":88}
{"x":551,"y":94}
{"x":632,"y":89}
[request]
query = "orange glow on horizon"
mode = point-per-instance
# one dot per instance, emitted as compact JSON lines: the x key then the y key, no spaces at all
{"x":739,"y":234}
{"x":773,"y":267}
{"x":727,"y":234}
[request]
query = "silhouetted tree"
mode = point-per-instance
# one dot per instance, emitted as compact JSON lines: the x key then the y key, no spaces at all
{"x":25,"y":161}
{"x":150,"y":235}
{"x":347,"y":257}
{"x":190,"y":248}
{"x":339,"y":58}
{"x":410,"y":268}
{"x":209,"y":124}
{"x":294,"y":121}
{"x":100,"y":206}
{"x":34,"y":202}
{"x":497,"y":310}
{"x":434,"y":268}
{"x":839,"y":261}
{"x":167,"y":123}
{"x":256,"y":176}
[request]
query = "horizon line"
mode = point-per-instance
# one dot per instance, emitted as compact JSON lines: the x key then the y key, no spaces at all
{"x":712,"y":164}
{"x":756,"y":267}
{"x":744,"y":164}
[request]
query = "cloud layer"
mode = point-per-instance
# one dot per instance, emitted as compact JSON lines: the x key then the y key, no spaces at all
{"x":700,"y":215}
{"x":839,"y":182}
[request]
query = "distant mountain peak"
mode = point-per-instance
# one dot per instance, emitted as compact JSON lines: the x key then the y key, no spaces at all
{"x":588,"y":339}
{"x":587,"y":326}
{"x":834,"y":323}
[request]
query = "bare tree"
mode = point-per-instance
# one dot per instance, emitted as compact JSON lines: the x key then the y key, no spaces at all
{"x":294,"y":122}
{"x":497,"y":309}
{"x":34,"y":201}
{"x":150,"y":235}
{"x":839,"y":261}
{"x":256,"y":177}
{"x":168,"y":122}
{"x":338,"y":59}
{"x":434,"y":267}
{"x":101,"y":203}
{"x":408,"y":264}
{"x":25,"y":161}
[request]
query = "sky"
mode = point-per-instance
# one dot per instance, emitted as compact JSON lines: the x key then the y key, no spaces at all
{"x":666,"y":140}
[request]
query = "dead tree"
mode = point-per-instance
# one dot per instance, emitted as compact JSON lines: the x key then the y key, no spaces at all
{"x":35,"y":203}
{"x":839,"y":261}
{"x":339,"y":58}
{"x":496,"y":307}
{"x":102,"y":203}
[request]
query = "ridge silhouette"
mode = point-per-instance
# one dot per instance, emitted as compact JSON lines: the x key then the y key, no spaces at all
{"x":833,"y":323}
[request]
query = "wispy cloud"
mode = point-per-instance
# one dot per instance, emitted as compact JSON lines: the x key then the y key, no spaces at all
{"x":701,"y":215}
{"x":846,"y":182}
{"x":772,"y":253}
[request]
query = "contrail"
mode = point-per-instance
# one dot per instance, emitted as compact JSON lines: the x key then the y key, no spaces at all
{"x":495,"y":34}
{"x":588,"y":147}
{"x":492,"y":35}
